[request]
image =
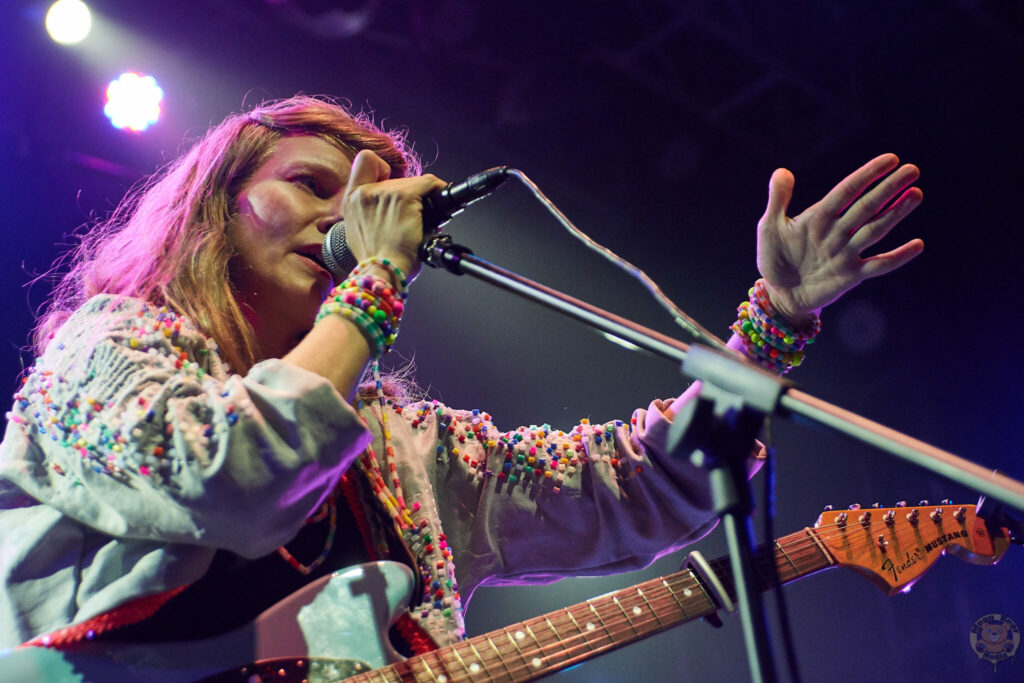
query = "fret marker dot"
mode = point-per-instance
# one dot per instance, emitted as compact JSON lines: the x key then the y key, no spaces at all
{"x":474,"y":668}
{"x":442,"y":679}
{"x":519,"y":635}
{"x":637,"y":611}
{"x":536,"y":662}
{"x":590,"y":626}
{"x":687,"y":592}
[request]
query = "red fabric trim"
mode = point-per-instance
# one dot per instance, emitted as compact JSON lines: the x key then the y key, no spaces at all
{"x":418,"y":640}
{"x":128,"y":613}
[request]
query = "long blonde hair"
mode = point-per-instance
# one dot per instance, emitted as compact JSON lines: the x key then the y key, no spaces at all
{"x":167,"y":243}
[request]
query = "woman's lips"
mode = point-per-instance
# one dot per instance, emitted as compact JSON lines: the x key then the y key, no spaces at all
{"x":314,"y":265}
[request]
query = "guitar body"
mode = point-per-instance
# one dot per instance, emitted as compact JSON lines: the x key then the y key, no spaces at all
{"x":342,"y":618}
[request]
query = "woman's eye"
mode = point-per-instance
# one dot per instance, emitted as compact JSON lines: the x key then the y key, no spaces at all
{"x":310,"y":183}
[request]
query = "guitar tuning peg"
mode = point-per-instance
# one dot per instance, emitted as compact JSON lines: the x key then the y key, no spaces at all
{"x":923,"y":503}
{"x":901,"y":504}
{"x":855,"y":506}
{"x":946,"y":501}
{"x":828,"y":508}
{"x":876,"y":505}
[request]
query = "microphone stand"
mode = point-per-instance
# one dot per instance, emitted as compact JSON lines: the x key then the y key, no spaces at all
{"x":717,"y":429}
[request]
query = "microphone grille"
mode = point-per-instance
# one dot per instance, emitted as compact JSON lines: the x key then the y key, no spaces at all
{"x":337,"y":256}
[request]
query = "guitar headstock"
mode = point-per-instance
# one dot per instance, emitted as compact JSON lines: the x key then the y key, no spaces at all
{"x":894,"y":546}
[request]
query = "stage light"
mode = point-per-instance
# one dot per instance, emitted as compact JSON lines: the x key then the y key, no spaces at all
{"x":133,"y":102}
{"x":68,"y":21}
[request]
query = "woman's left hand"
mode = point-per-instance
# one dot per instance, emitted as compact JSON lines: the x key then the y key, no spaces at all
{"x":811,"y":260}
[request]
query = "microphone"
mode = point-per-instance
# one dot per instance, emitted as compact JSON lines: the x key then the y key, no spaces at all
{"x":438,"y":208}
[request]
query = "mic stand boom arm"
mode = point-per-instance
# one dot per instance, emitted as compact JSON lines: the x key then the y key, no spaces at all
{"x":716,"y":430}
{"x":441,"y":252}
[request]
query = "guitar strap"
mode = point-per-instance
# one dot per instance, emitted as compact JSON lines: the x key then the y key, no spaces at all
{"x":129,"y":613}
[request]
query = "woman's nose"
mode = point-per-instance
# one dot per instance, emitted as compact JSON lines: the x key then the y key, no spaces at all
{"x":325,"y":224}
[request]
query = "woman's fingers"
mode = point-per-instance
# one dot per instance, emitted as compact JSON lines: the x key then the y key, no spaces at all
{"x":384,"y":217}
{"x":367,"y":168}
{"x":881,"y":264}
{"x":871,"y":204}
{"x":875,"y":229}
{"x":851,"y":187}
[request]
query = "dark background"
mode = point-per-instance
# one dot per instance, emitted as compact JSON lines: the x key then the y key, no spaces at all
{"x":655,"y":126}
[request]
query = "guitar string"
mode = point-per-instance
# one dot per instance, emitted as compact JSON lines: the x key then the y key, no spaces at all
{"x":524,"y":667}
{"x":613,"y":613}
{"x":615,"y":623}
{"x":797,"y":545}
{"x":565,"y":647}
{"x":612,"y":621}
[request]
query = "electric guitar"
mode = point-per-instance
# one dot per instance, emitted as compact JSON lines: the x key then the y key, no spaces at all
{"x":336,"y":628}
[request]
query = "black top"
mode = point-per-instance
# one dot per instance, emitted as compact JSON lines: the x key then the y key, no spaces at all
{"x":234,"y":591}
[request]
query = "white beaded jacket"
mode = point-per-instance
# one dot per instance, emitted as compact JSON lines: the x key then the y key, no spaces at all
{"x":132,"y":455}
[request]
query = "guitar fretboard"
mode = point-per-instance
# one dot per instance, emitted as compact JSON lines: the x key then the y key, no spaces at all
{"x":543,"y":645}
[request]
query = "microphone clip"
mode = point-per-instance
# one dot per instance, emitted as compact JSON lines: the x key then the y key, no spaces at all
{"x":440,"y":251}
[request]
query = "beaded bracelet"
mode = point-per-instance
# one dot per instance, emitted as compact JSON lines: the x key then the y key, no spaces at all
{"x":380,"y":311}
{"x":396,"y":273}
{"x":367,"y":325}
{"x":382,"y":307}
{"x":371,"y":303}
{"x":766,"y":337}
{"x":766,"y":311}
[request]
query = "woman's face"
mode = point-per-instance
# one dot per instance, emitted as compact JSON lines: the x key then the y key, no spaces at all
{"x":283,"y":214}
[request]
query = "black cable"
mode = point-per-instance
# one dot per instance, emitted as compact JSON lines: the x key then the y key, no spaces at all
{"x":769,"y":534}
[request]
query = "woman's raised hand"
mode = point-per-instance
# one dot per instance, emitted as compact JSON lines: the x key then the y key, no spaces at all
{"x":809,"y":261}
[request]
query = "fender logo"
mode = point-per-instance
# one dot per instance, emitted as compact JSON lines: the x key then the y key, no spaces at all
{"x":897,"y":569}
{"x":911,"y":559}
